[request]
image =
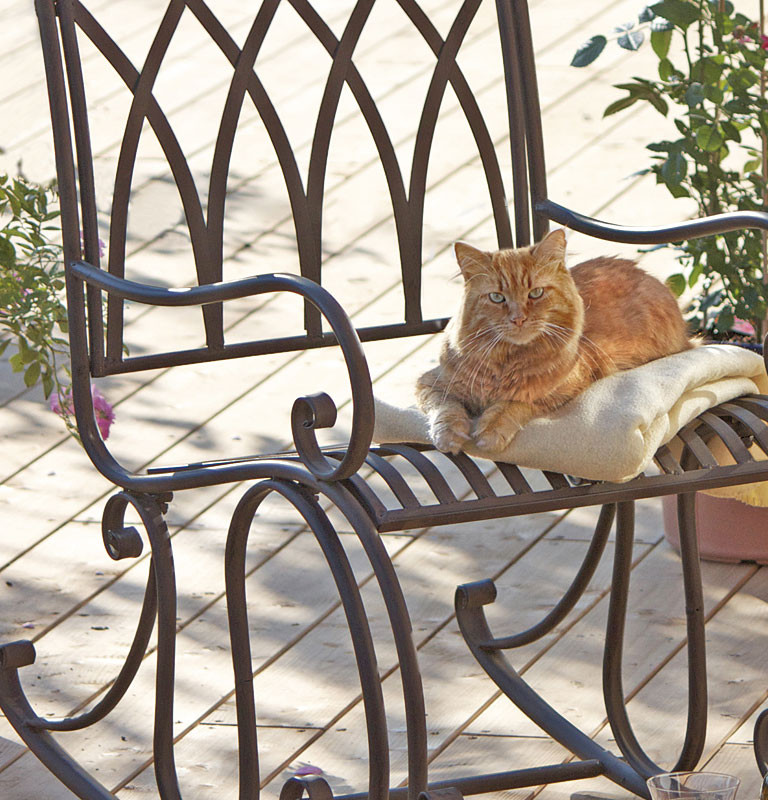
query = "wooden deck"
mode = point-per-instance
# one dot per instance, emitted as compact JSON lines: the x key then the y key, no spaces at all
{"x":60,"y":589}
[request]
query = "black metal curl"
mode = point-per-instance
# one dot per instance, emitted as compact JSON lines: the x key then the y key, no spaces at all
{"x":119,"y":541}
{"x":566,"y":603}
{"x":34,"y":729}
{"x":114,"y":510}
{"x":315,"y":786}
{"x":760,"y":742}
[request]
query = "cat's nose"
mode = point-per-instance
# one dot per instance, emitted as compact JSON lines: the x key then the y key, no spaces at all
{"x":517,"y":315}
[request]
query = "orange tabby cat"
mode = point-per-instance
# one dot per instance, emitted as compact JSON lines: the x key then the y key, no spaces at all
{"x":530,"y":335}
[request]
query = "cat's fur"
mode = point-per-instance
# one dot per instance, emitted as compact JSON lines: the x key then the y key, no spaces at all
{"x":504,"y":362}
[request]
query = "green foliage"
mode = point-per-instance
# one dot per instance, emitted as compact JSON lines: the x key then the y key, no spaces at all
{"x":33,"y":317}
{"x":708,"y":82}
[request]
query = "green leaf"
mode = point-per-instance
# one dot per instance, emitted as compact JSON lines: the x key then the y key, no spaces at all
{"x":694,"y":94}
{"x":7,"y":253}
{"x":728,"y":6}
{"x":666,"y":69}
{"x":665,"y":147}
{"x":589,"y":51}
{"x":738,"y":105}
{"x":709,"y":137}
{"x":695,"y":274}
{"x":679,"y":12}
{"x":725,"y":320}
{"x":17,"y":365}
{"x":31,"y":374}
{"x":752,"y":165}
{"x":730,"y":130}
{"x":677,"y":284}
{"x":631,"y":40}
{"x":714,"y":94}
{"x":620,"y":105}
{"x":674,"y":169}
{"x":659,"y":103}
{"x":660,"y":41}
{"x":708,"y":70}
{"x":741,"y":80}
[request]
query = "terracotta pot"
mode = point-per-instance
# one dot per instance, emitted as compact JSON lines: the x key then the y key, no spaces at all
{"x":728,"y":530}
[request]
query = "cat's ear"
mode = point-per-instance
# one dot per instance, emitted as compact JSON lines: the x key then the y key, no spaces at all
{"x":471,"y":260}
{"x":551,"y":249}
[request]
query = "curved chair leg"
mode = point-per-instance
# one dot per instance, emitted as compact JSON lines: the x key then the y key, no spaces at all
{"x":34,"y":730}
{"x":695,"y":735}
{"x":23,"y":718}
{"x":487,"y":649}
{"x":306,"y":504}
{"x":402,"y":633}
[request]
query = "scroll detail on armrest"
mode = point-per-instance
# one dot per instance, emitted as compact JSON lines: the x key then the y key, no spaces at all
{"x":308,"y":413}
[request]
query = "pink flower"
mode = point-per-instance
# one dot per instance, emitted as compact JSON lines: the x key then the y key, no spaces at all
{"x":764,"y":42}
{"x":742,"y":326}
{"x":61,"y":404}
{"x":104,"y":412}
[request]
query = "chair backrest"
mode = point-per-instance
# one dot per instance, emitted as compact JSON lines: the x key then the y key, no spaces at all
{"x":291,"y":98}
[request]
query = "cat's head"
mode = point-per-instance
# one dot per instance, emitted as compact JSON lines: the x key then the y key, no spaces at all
{"x":520,"y":295}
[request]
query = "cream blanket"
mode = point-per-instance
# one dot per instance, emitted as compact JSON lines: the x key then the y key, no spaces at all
{"x":611,"y":431}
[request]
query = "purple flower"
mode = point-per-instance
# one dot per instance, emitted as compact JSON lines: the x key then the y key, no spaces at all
{"x":61,"y":404}
{"x":102,"y":245}
{"x":105,"y":414}
{"x":308,"y":769}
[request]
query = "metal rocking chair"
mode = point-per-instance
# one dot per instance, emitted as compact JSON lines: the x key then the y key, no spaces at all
{"x":377,"y":489}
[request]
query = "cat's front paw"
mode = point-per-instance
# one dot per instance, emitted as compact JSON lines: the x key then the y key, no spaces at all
{"x":493,"y":440}
{"x":450,"y":432}
{"x":498,"y":425}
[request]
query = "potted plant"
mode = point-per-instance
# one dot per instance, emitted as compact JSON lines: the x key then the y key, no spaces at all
{"x":710,"y":82}
{"x":33,"y":317}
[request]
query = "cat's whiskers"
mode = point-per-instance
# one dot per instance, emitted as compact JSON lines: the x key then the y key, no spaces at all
{"x":484,"y":361}
{"x":474,"y":344}
{"x":475,"y":356}
{"x":558,"y":332}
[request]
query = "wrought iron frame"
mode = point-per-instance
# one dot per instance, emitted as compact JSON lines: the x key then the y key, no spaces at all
{"x":337,"y":474}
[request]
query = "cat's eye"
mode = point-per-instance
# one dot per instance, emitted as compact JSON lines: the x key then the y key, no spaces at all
{"x":536,"y":293}
{"x":496,"y":297}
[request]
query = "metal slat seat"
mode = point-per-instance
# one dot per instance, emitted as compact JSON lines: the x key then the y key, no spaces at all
{"x":712,"y":451}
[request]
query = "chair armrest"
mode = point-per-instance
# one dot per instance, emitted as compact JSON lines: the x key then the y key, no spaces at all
{"x":308,"y":413}
{"x":664,"y":234}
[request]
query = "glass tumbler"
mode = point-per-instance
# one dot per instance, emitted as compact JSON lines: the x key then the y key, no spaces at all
{"x":693,"y":786}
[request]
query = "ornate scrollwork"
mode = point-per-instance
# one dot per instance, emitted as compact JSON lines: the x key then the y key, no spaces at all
{"x":121,"y":541}
{"x":315,"y":786}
